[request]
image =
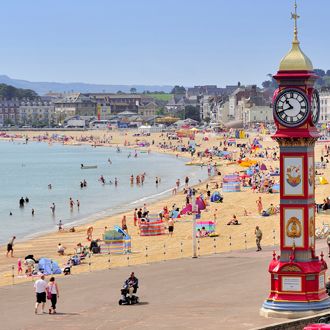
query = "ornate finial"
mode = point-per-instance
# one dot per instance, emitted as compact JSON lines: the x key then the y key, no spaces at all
{"x":295,"y":17}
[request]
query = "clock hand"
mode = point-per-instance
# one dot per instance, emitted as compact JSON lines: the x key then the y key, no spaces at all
{"x":289,"y":104}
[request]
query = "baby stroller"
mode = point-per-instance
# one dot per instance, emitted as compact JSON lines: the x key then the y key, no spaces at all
{"x":129,"y":298}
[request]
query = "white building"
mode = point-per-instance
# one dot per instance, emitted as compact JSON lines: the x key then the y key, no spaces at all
{"x":325,"y":107}
{"x":36,"y":112}
{"x":257,"y":114}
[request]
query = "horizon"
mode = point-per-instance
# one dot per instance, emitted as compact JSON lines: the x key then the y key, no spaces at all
{"x":170,"y":45}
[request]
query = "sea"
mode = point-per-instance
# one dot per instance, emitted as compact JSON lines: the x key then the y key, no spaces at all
{"x":26,"y":170}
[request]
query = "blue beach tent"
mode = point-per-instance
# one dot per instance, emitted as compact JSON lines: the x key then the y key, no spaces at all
{"x":48,"y":266}
{"x":216,"y":197}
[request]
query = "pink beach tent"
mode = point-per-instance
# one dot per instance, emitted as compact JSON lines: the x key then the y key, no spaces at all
{"x":187,"y":209}
{"x":200,"y":203}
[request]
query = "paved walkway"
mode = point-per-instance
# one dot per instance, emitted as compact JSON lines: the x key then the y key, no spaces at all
{"x":223,"y":291}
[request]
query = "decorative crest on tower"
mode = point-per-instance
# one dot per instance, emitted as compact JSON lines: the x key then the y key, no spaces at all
{"x":295,"y":17}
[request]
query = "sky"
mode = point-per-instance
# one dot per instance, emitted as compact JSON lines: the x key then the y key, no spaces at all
{"x":157,"y":42}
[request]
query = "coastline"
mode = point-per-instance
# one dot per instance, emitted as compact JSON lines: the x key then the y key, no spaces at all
{"x":160,"y":247}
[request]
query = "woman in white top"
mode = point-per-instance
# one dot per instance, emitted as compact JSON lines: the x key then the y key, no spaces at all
{"x":53,"y":294}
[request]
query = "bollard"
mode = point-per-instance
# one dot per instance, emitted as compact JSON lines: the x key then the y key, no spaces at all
{"x":164,"y":246}
{"x":230,"y":243}
{"x":89,"y":261}
{"x":109,"y":259}
{"x":274,"y":236}
{"x":127,"y":259}
{"x":146,"y":254}
{"x":198,"y":247}
{"x":215,"y":245}
{"x":181,"y":249}
{"x":245,"y":241}
{"x":13,"y":273}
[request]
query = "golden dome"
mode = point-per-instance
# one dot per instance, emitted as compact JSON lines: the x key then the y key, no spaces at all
{"x":295,"y":59}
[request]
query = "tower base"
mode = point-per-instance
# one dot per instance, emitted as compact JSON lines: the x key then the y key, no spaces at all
{"x":294,"y":310}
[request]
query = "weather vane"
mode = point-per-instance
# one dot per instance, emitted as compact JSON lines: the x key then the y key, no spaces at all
{"x":295,"y":17}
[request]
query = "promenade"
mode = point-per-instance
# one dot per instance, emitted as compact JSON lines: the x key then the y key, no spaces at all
{"x":223,"y":291}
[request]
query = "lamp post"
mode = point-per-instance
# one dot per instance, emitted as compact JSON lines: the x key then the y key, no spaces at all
{"x":194,"y":241}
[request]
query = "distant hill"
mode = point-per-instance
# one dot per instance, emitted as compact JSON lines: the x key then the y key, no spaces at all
{"x":9,"y":92}
{"x":44,"y":87}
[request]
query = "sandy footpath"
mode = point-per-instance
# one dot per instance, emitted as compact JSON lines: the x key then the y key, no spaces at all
{"x":150,"y":249}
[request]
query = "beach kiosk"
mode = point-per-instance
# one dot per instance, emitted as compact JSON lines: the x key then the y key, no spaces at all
{"x":297,"y":274}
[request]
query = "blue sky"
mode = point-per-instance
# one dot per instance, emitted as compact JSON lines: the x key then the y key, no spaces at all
{"x":187,"y":42}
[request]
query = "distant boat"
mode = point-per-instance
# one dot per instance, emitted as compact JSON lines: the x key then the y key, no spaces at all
{"x":87,"y":167}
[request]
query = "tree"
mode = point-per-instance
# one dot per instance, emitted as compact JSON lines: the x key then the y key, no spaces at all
{"x":319,"y":72}
{"x":266,"y":84}
{"x":270,"y":83}
{"x":133,"y":90}
{"x":192,"y":112}
{"x":178,"y":90}
{"x":10,"y":92}
{"x":207,"y":120}
{"x":160,"y":112}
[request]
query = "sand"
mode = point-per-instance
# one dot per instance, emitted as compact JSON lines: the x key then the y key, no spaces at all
{"x":151,"y":249}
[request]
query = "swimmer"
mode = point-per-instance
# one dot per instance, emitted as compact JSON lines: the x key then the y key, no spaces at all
{"x":60,"y":225}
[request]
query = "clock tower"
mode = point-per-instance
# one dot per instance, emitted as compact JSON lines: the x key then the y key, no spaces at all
{"x":297,"y":274}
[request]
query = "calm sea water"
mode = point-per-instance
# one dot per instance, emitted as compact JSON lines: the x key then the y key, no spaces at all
{"x":27,"y":169}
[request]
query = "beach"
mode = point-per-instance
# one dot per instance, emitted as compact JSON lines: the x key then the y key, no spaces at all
{"x":164,"y":247}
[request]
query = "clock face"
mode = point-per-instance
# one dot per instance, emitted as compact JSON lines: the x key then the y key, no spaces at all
{"x":315,"y":107}
{"x":291,"y":107}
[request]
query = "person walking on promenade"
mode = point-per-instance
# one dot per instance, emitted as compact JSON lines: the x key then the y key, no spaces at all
{"x":328,"y":242}
{"x":53,"y":293}
{"x":258,"y":234}
{"x":40,"y":287}
{"x":259,"y":205}
{"x":10,"y":247}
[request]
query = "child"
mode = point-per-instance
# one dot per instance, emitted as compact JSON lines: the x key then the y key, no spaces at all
{"x":19,"y":267}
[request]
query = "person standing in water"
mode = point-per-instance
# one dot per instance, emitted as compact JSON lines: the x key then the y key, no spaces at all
{"x":71,"y":203}
{"x":21,"y":202}
{"x":78,"y":204}
{"x":53,"y":208}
